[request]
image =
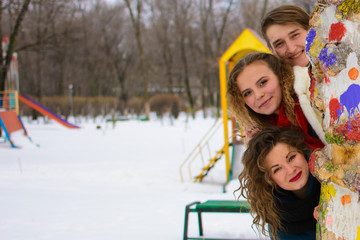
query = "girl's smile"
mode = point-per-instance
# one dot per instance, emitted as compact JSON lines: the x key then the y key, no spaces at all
{"x":294,"y":179}
{"x":264,"y":104}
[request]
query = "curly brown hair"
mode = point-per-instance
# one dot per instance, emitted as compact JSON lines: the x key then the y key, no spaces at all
{"x":244,"y":115}
{"x":255,"y":182}
{"x":284,"y":15}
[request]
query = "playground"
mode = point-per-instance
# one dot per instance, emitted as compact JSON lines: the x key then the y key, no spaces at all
{"x":10,"y":119}
{"x":120,"y":183}
{"x":104,"y":181}
{"x":64,"y":175}
{"x":109,"y":182}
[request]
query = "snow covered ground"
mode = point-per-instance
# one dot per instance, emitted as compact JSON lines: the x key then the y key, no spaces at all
{"x":109,"y":183}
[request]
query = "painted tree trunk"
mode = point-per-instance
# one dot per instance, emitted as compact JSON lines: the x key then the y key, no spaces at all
{"x":333,"y":47}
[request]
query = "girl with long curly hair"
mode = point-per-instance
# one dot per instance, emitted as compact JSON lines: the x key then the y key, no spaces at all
{"x":277,"y":183}
{"x":260,"y":93}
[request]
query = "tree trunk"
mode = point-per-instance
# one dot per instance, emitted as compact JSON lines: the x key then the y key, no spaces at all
{"x":143,"y":65}
{"x":12,"y":44}
{"x":181,"y":20}
{"x":219,"y":36}
{"x":264,"y":9}
{"x":166,"y":53}
{"x":186,"y":77}
{"x":206,"y":10}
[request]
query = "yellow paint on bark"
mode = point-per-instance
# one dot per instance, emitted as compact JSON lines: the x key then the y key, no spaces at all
{"x":358,"y":233}
{"x":329,"y":192}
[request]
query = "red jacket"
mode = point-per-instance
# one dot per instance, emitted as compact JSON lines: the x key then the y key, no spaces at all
{"x":281,"y":120}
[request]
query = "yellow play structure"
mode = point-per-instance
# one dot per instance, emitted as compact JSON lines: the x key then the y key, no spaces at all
{"x":248,"y":41}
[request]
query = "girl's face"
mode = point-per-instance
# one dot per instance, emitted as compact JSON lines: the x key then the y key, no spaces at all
{"x":288,"y":168}
{"x":260,"y":88}
{"x":288,"y":42}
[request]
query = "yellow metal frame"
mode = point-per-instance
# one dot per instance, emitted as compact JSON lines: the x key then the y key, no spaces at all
{"x":248,"y":41}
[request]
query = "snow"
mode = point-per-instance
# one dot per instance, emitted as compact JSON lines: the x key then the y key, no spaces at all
{"x":119,"y":182}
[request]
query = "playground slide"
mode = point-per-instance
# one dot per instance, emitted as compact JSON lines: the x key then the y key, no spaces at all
{"x":45,"y":111}
{"x":10,"y":123}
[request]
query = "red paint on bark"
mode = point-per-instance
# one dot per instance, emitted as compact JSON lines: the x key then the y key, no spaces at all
{"x":337,"y":31}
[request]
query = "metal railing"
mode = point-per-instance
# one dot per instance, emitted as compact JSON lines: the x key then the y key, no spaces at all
{"x":197,"y":152}
{"x":9,"y":101}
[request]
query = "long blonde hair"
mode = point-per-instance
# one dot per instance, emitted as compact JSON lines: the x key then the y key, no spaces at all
{"x":255,"y":182}
{"x":244,"y":115}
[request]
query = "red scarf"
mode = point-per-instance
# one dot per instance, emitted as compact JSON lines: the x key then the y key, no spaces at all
{"x":282,"y":121}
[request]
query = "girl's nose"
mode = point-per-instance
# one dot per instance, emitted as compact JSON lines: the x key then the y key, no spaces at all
{"x":259,"y":94}
{"x":290,"y":169}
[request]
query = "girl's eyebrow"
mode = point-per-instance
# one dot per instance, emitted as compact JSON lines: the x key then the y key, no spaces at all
{"x":260,"y":79}
{"x":287,"y":156}
{"x":257,"y":82}
{"x":244,"y":91}
{"x":276,"y":165}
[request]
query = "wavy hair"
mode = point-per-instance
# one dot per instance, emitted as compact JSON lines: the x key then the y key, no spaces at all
{"x":284,"y":15}
{"x":255,"y":182}
{"x":244,"y":115}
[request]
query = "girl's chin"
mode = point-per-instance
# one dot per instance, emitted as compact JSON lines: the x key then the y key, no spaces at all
{"x":269,"y":111}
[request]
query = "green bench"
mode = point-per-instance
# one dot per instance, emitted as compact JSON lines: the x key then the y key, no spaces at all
{"x":214,"y":206}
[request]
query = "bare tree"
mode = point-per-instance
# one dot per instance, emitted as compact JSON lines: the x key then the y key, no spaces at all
{"x":161,"y":23}
{"x":5,"y":63}
{"x":116,"y":54}
{"x":206,"y":8}
{"x":136,"y":23}
{"x":264,"y":9}
{"x":42,"y":13}
{"x":91,"y":44}
{"x":181,"y":23}
{"x":307,"y":5}
{"x":218,"y":32}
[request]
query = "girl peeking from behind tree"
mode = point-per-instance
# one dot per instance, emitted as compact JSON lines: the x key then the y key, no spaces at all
{"x":277,"y":183}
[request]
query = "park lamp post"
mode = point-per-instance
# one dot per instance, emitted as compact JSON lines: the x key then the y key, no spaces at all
{"x":71,"y":99}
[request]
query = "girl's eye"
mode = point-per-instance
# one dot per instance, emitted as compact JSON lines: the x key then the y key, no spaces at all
{"x":292,"y":157}
{"x":262,"y":82}
{"x":245,"y":94}
{"x":276,"y":170}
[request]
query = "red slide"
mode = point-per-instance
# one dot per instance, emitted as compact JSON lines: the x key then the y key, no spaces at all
{"x":10,"y":123}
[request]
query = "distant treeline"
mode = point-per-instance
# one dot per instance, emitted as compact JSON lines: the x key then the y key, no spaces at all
{"x":125,"y":52}
{"x":109,"y":107}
